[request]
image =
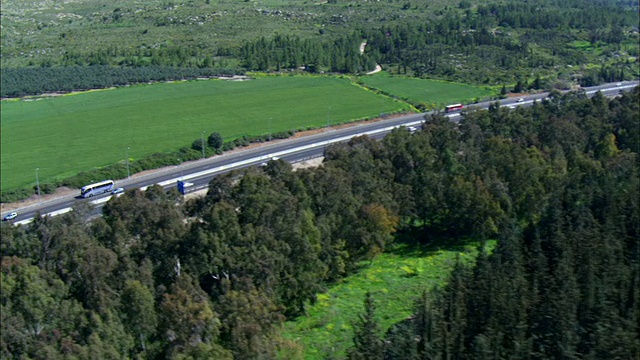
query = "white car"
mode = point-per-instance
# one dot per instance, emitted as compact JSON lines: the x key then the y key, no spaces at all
{"x":618,"y":84}
{"x":117,"y":191}
{"x":10,"y":216}
{"x":520,"y":100}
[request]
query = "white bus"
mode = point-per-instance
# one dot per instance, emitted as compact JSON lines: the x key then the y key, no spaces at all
{"x":96,"y":189}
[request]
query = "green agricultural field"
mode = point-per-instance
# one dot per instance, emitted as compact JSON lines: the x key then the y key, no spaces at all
{"x":433,"y":92}
{"x":65,"y":135}
{"x":393,"y":278}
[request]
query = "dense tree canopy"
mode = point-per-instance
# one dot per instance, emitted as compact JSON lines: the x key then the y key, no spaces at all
{"x":563,"y":282}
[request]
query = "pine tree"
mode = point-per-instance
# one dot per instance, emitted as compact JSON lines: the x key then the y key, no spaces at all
{"x":368,"y":345}
{"x":426,"y":329}
{"x":519,"y":87}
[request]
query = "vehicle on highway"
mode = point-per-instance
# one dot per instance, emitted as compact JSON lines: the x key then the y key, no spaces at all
{"x":453,"y":107}
{"x":10,"y":216}
{"x":618,"y":84}
{"x":521,"y":100}
{"x":96,"y":189}
{"x":273,"y":158}
{"x":185,"y":187}
{"x":117,"y":191}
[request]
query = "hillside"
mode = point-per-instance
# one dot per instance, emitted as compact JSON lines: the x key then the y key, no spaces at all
{"x":480,"y":42}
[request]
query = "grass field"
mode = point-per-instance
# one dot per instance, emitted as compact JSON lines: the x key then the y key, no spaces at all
{"x":393,"y":278}
{"x":424,"y":90}
{"x":64,"y":135}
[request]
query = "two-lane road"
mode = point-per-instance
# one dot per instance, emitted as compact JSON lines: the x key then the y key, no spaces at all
{"x":292,"y":150}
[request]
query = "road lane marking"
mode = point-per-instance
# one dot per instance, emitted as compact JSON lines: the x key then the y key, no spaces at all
{"x":53,"y":213}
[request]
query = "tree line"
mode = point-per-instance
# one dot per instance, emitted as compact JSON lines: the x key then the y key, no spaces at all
{"x":17,"y":82}
{"x":158,"y":276}
{"x":461,"y":45}
{"x":280,"y":52}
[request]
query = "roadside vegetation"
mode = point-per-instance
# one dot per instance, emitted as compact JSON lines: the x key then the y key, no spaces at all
{"x":555,"y":184}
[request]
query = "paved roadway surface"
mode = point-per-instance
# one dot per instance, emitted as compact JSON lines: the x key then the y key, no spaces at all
{"x":201,"y":172}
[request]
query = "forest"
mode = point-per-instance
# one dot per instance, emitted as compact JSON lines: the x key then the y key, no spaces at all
{"x":158,"y":276}
{"x":486,"y":43}
{"x":478,"y":46}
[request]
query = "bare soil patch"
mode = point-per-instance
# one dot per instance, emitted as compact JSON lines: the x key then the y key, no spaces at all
{"x":311,"y":163}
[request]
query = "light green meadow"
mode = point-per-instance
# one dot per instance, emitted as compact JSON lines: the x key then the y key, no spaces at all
{"x":434,"y":92}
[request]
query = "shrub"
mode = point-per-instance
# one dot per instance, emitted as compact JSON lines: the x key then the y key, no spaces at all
{"x":228,"y":146}
{"x":48,"y":188}
{"x":16,"y":195}
{"x":215,"y":140}
{"x":241,"y":142}
{"x":186,"y":154}
{"x":283,"y":134}
{"x":197,"y":144}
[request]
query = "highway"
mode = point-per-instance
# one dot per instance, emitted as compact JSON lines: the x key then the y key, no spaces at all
{"x":292,"y":150}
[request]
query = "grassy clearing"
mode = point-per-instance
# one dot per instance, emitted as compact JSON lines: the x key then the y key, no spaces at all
{"x":65,"y":135}
{"x":581,"y":45}
{"x":394,"y":278}
{"x":425,"y":91}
